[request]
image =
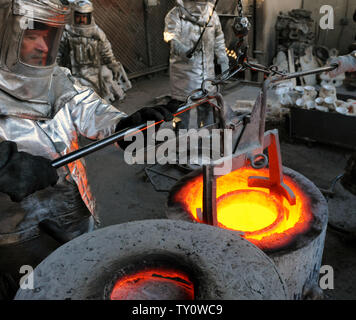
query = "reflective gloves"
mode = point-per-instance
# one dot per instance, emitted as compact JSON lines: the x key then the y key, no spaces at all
{"x":22,"y":174}
{"x":223,"y":61}
{"x":181,"y":50}
{"x":224,"y":66}
{"x":346,"y":64}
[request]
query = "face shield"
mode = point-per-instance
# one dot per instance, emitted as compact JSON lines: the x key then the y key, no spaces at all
{"x":198,"y":8}
{"x":31,"y":34}
{"x":82,"y":19}
{"x":82,"y":14}
{"x":39,"y":44}
{"x":190,"y":2}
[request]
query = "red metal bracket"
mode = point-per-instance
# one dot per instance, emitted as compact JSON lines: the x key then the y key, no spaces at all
{"x":275,"y":181}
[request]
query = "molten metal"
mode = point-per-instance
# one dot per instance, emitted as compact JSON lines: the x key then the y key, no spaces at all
{"x":154,"y":284}
{"x":264,"y":218}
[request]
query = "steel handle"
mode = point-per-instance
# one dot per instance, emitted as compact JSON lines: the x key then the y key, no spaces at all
{"x":98,"y":145}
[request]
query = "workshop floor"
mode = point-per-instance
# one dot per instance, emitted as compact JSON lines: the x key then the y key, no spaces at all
{"x":124,"y":193}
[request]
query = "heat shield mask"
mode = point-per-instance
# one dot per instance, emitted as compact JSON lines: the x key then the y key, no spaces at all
{"x":82,"y":16}
{"x":29,"y":47}
{"x":82,"y":19}
{"x":198,"y":9}
{"x":39,"y":44}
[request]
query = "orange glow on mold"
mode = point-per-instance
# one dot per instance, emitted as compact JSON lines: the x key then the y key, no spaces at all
{"x":128,"y":285}
{"x":266,"y":220}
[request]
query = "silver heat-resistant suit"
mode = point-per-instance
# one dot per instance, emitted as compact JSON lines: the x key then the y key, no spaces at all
{"x":44,"y":111}
{"x":183,"y":27}
{"x":87,"y":52}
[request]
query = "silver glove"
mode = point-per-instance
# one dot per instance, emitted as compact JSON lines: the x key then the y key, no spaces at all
{"x":224,"y":66}
{"x":179,"y":49}
{"x":345,"y":64}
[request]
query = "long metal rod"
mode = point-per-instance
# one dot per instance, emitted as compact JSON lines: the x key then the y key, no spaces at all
{"x":98,"y":145}
{"x":261,"y":68}
{"x":303,"y":73}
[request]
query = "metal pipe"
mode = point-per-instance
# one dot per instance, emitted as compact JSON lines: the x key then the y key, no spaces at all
{"x":98,"y":145}
{"x":73,"y":156}
{"x":303,"y":73}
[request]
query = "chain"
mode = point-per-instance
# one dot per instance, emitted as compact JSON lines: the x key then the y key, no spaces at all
{"x":240,"y":8}
{"x":232,"y":71}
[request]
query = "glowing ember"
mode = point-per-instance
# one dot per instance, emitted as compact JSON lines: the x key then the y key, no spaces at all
{"x":154,"y":285}
{"x":267,"y":220}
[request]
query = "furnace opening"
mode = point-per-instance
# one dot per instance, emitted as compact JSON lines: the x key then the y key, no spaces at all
{"x":154,"y":284}
{"x":152,"y":278}
{"x":264,"y":218}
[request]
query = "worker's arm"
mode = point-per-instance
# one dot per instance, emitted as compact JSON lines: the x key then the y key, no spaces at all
{"x":172,"y":34}
{"x":107,"y":55}
{"x":95,"y":119}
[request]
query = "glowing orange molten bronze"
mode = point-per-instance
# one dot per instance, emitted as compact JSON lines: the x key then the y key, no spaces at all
{"x":154,"y":284}
{"x":265,"y":219}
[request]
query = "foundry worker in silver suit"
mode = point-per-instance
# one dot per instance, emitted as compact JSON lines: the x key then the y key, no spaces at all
{"x":43,"y":111}
{"x":87,"y":52}
{"x":183,"y":27}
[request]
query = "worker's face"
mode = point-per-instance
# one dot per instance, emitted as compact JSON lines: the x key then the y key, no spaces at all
{"x":34,"y":48}
{"x":82,"y":18}
{"x":39,"y":46}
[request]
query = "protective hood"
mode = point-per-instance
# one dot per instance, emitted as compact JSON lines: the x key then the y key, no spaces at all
{"x":186,"y":2}
{"x":82,"y":15}
{"x":30,"y":34}
{"x":197,"y":9}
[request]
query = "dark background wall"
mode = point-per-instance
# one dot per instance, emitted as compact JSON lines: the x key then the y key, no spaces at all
{"x":135,"y":28}
{"x":344,"y":32}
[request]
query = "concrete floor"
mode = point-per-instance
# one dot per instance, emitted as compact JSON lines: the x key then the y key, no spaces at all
{"x":124,"y":194}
